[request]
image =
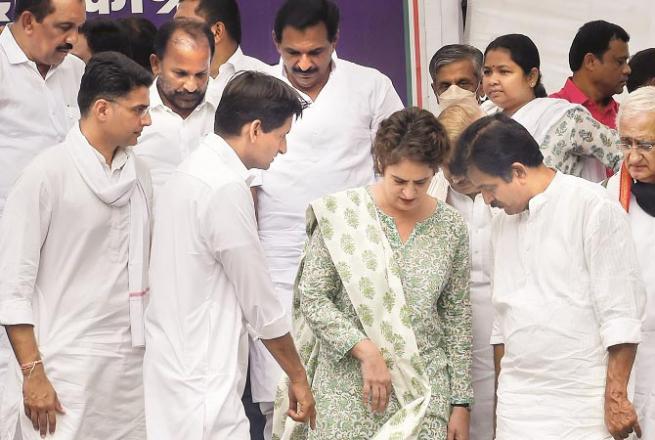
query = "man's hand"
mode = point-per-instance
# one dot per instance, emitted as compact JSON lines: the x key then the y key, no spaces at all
{"x":375,"y":375}
{"x":40,"y":401}
{"x":458,"y":424}
{"x":302,"y":407}
{"x":620,"y":416}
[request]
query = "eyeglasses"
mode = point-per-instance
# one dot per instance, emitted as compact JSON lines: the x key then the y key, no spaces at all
{"x":626,"y":144}
{"x":139,"y":110}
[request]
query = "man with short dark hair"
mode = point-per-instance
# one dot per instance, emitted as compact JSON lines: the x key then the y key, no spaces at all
{"x":38,"y":88}
{"x":182,"y":112}
{"x":599,"y":61}
{"x":329,"y":148}
{"x":456,"y":72}
{"x":642,"y":70}
{"x":210,"y":284}
{"x":224,"y":19}
{"x":101,"y":35}
{"x":74,"y":248}
{"x":567,"y":292}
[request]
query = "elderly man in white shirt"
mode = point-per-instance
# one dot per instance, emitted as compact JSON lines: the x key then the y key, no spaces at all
{"x":461,"y":194}
{"x":38,"y":91}
{"x":210,"y":284}
{"x":224,"y":19}
{"x":329,"y":148}
{"x":567,"y":291}
{"x":74,"y":245}
{"x":181,"y":110}
{"x":634,"y":187}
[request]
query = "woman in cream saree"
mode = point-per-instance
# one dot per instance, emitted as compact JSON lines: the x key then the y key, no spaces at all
{"x":382,"y":316}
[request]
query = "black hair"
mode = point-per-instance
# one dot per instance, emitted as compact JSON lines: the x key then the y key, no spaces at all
{"x":493,"y":144}
{"x":194,"y":28}
{"x":301,"y":14}
{"x":523,"y":52}
{"x":103,"y":35}
{"x":141,"y":33}
{"x":39,"y":8}
{"x":251,"y":95}
{"x":594,"y":37}
{"x":110,"y":75}
{"x":642,"y":69}
{"x":225,"y":11}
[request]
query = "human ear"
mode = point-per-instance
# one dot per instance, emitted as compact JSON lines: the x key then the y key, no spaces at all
{"x":254,"y":130}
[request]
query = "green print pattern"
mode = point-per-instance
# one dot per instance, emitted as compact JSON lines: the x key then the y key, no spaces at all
{"x":578,"y":135}
{"x":411,"y":299}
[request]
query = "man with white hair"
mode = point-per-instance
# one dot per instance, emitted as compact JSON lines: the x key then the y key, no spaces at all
{"x":634,"y":187}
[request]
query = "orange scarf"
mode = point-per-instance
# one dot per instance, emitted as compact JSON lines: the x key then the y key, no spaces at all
{"x":625,"y":188}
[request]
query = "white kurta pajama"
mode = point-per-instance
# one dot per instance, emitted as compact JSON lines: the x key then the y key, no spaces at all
{"x":478,"y":217}
{"x":210,"y":288}
{"x":166,"y":142}
{"x":35,"y":113}
{"x":64,"y":260}
{"x":643,"y":232}
{"x":329,"y":150}
{"x":566,"y":286}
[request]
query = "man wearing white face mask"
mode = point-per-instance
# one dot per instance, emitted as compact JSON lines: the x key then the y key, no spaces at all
{"x":456,"y":74}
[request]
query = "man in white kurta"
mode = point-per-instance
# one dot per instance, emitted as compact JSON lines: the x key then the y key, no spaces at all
{"x":634,"y":187}
{"x":210,"y":284}
{"x":477,"y":215}
{"x":70,"y":242}
{"x":38,"y":88}
{"x":566,"y":291}
{"x":329,"y":151}
{"x":223,"y":17}
{"x":182,"y":112}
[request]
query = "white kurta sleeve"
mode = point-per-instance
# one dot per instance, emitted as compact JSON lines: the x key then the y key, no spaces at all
{"x":617,"y":291}
{"x":231,"y":233}
{"x":385,"y":102}
{"x":23,"y":229}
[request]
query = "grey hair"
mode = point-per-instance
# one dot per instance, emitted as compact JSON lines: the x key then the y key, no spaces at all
{"x":636,"y":103}
{"x":456,"y":52}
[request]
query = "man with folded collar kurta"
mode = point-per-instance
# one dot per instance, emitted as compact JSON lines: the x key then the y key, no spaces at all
{"x":635,"y":189}
{"x":74,"y":247}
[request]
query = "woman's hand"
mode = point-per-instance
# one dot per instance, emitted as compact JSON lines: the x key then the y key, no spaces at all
{"x":458,"y":424}
{"x":375,"y":375}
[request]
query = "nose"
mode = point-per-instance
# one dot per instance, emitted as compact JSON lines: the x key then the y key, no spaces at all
{"x":409,"y":192}
{"x":283,"y":147}
{"x":305,"y":62}
{"x":487,"y":197}
{"x":146,"y":119}
{"x":72,"y":36}
{"x":626,"y":69}
{"x":191,"y":84}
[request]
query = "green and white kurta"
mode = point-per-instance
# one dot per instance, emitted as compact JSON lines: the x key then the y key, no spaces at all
{"x":434,"y":272}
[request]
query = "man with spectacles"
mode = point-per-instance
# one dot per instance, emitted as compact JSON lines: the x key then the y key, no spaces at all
{"x":635,"y":189}
{"x":74,"y":250}
{"x":181,"y":110}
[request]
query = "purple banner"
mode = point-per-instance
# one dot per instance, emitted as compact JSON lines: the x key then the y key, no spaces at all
{"x":371,"y":31}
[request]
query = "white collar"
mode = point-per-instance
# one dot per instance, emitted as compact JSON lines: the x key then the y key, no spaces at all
{"x":229,"y":156}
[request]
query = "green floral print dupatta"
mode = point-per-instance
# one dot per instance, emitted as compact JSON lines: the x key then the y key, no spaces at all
{"x":364,"y":260}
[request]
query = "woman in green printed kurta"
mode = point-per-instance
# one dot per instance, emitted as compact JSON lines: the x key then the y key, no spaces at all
{"x":382,"y":314}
